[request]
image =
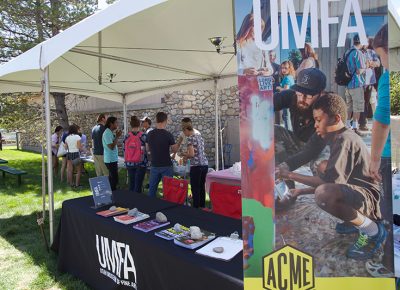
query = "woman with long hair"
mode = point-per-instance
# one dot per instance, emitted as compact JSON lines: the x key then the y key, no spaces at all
{"x":135,"y":155}
{"x":110,"y":142}
{"x":288,"y":74}
{"x":309,"y":58}
{"x":198,"y":165}
{"x":55,"y":144}
{"x":252,"y":60}
{"x":73,"y":146}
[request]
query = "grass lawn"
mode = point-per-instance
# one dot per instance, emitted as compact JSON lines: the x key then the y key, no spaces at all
{"x":24,"y":262}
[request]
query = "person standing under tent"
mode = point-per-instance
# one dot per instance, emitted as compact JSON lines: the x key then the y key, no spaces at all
{"x":98,"y":149}
{"x":146,"y":125}
{"x":198,"y":165}
{"x":110,"y":141}
{"x":159,"y":144}
{"x":135,"y":155}
{"x":63,"y":157}
{"x":73,"y":146}
{"x":55,"y":144}
{"x":182,"y":139}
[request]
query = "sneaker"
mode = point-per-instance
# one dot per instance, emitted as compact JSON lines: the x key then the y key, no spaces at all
{"x":366,"y":246}
{"x":345,"y":228}
{"x":363,"y":128}
{"x":378,"y":270}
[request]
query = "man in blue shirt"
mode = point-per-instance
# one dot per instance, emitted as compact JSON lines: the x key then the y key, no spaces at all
{"x":110,"y":142}
{"x":354,"y":93}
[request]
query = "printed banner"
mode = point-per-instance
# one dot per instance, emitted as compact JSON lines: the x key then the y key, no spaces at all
{"x":317,"y":209}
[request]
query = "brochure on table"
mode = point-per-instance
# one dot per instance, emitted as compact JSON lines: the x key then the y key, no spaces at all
{"x":101,"y":190}
{"x":231,"y":247}
{"x":150,"y":225}
{"x":172,"y":233}
{"x":189,"y":243}
{"x":127,"y":219}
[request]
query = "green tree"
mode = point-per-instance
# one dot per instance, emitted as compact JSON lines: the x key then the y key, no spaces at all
{"x":26,"y":23}
{"x":18,"y":112}
{"x":395,"y":93}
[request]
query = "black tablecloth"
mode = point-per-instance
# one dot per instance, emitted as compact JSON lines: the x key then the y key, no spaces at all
{"x":158,"y":263}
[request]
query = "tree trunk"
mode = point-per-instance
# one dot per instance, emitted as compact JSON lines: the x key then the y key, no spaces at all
{"x":38,"y":20}
{"x":61,"y":110}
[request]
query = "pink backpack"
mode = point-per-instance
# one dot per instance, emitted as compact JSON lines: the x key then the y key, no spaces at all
{"x":134,"y":152}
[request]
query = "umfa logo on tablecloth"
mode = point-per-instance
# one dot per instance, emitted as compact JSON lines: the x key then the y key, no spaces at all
{"x":116,"y":261}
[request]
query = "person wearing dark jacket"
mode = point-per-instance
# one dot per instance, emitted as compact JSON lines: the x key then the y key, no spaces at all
{"x":300,"y":146}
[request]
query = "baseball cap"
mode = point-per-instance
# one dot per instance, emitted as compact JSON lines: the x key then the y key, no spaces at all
{"x":144,"y":118}
{"x":310,"y":81}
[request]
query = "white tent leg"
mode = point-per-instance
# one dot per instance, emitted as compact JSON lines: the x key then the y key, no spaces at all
{"x":216,"y":123}
{"x":222,"y":145}
{"x":49,"y":157}
{"x":124,"y":114}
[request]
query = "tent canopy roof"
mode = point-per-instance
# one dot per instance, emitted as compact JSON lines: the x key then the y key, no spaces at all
{"x":145,"y":45}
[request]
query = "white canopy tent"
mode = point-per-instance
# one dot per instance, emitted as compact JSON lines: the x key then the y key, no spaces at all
{"x":394,"y":35}
{"x":128,"y":51}
{"x":142,"y":46}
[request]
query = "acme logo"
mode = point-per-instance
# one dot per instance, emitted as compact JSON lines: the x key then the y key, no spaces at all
{"x":288,"y":269}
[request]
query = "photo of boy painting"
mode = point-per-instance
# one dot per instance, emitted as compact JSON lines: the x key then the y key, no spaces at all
{"x":344,"y":187}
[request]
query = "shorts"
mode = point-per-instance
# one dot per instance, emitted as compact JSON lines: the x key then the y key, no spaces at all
{"x":72,"y":156}
{"x":363,"y":200}
{"x":355,"y":100}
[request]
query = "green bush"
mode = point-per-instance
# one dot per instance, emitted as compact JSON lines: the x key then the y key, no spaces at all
{"x":395,"y":93}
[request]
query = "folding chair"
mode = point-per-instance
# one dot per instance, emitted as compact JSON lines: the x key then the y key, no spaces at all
{"x":175,"y":190}
{"x":226,"y":200}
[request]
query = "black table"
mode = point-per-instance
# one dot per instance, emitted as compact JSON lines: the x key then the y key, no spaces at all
{"x":82,"y":238}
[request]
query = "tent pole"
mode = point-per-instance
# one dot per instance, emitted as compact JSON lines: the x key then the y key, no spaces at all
{"x":100,"y":59}
{"x":49,"y":157}
{"x":124,"y":114}
{"x":216,"y":123}
{"x":222,"y":144}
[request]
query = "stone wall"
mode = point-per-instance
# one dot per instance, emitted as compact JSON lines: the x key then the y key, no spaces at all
{"x":197,"y":105}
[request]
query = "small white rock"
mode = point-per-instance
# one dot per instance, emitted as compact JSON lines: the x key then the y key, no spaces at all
{"x":160,"y":217}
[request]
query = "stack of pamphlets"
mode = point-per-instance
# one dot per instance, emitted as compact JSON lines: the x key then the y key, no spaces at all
{"x":172,"y":233}
{"x":108,"y":213}
{"x":150,"y":225}
{"x":128,"y":219}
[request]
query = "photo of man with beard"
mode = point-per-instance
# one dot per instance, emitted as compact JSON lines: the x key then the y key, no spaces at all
{"x":300,"y":146}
